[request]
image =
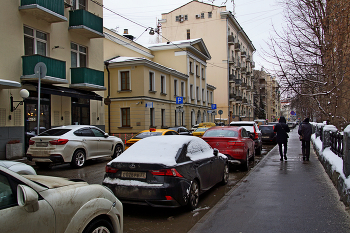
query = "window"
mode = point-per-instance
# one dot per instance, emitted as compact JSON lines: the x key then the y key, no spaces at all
{"x":175,"y":87}
{"x":202,"y":15}
{"x":191,"y":91}
{"x":79,"y":4}
{"x":7,"y":198}
{"x":162,"y":84}
{"x":35,"y":42}
{"x":151,"y":116}
{"x":211,"y":97}
{"x":176,"y":118}
{"x":186,"y":17}
{"x":197,"y":70}
{"x":191,"y":70}
{"x":177,"y":18}
{"x":124,"y":80}
{"x":78,"y":55}
{"x":197,"y":93}
{"x":163,"y":117}
{"x":208,"y":97}
{"x":210,"y":14}
{"x":125,"y":117}
{"x":182,"y":89}
{"x":203,"y":94}
{"x":188,"y":34}
{"x":202,"y":73}
{"x":151,"y":81}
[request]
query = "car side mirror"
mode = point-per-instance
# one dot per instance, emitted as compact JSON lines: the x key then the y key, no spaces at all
{"x":251,"y":136}
{"x":216,"y":152}
{"x":106,"y":135}
{"x":27,"y":198}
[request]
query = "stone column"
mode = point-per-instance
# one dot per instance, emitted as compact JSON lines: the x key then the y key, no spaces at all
{"x":346,"y":151}
{"x":326,"y":135}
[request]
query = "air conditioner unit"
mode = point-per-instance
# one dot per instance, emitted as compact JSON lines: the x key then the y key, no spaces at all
{"x":198,"y":16}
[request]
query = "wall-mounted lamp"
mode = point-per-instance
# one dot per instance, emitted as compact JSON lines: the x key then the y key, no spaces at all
{"x":140,"y":102}
{"x":24,"y":94}
{"x":151,"y":31}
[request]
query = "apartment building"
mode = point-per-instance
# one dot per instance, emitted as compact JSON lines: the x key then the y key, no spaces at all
{"x":144,"y":83}
{"x":268,"y":96}
{"x":56,"y":48}
{"x":231,"y":50}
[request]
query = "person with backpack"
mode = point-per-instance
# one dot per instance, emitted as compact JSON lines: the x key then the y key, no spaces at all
{"x":305,"y":131}
{"x":282,"y":130}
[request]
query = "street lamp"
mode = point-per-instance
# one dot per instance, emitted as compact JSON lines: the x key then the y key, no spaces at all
{"x":24,"y":93}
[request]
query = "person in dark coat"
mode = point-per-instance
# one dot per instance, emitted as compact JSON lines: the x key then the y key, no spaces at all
{"x":282,"y":130}
{"x":305,"y":131}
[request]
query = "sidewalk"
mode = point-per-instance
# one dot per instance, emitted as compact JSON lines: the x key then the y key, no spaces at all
{"x":289,"y":196}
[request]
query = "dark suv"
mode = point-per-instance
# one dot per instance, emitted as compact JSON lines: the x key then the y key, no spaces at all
{"x":267,"y":133}
{"x":253,"y":129}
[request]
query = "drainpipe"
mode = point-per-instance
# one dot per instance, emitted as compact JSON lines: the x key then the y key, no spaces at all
{"x":109,"y":93}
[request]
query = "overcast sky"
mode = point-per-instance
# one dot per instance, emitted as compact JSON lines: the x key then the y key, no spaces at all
{"x":255,"y":16}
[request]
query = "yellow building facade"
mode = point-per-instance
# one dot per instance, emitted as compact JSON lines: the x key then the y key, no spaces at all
{"x":230,"y":67}
{"x":65,"y":41}
{"x":144,"y":84}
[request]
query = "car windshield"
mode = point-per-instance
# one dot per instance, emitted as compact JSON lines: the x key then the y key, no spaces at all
{"x":221,"y":133}
{"x":266,"y":129}
{"x":248,"y":127}
{"x":201,"y":129}
{"x":147,"y":134}
{"x":54,"y":132}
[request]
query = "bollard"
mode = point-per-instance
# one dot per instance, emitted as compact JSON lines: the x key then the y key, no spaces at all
{"x":346,"y":151}
{"x":326,"y":137}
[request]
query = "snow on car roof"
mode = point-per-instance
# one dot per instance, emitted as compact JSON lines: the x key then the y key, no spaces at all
{"x":156,"y":150}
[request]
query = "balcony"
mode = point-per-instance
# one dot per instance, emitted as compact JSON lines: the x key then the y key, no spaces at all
{"x":244,"y":85}
{"x":237,"y":46}
{"x":231,"y":61}
{"x":87,"y":79}
{"x":232,"y":96}
{"x":238,"y":98}
{"x":243,"y":54}
{"x":56,"y":69}
{"x":86,"y":23}
{"x":238,"y":81}
{"x":248,"y":73}
{"x":231,"y":78}
{"x":243,"y":70}
{"x":248,"y":58}
{"x":244,"y":101}
{"x":238,"y":65}
{"x":51,"y":11}
{"x":253,"y":64}
{"x":230,"y":39}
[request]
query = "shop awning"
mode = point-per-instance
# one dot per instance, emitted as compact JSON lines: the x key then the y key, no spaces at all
{"x":8,"y":84}
{"x":64,"y":91}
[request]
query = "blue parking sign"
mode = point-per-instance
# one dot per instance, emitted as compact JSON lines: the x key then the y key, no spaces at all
{"x":213,"y":106}
{"x":179,"y":100}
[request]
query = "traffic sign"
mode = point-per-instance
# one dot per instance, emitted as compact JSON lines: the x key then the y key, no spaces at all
{"x":220,"y":112}
{"x":213,"y":106}
{"x":149,"y":105}
{"x":292,"y":113}
{"x":179,"y":100}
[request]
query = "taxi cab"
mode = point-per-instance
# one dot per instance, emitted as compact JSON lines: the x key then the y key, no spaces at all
{"x":202,"y":127}
{"x":149,"y":133}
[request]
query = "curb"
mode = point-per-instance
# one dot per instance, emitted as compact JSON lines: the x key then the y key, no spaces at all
{"x":337,"y":179}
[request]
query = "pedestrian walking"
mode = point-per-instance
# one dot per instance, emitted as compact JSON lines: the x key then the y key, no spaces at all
{"x":305,"y":131}
{"x":282,"y":130}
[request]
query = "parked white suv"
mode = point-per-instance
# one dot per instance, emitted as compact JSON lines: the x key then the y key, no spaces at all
{"x":33,"y":203}
{"x":253,"y":129}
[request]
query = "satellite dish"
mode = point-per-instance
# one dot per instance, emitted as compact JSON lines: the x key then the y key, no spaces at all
{"x":41,"y":69}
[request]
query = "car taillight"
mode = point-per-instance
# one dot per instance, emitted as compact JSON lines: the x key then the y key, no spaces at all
{"x":31,"y":142}
{"x":166,"y":172}
{"x":235,"y":143}
{"x":256,"y":136}
{"x":59,"y":142}
{"x":110,"y":169}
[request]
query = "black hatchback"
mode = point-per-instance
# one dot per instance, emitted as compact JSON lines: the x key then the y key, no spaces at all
{"x":167,"y":171}
{"x":267,"y":133}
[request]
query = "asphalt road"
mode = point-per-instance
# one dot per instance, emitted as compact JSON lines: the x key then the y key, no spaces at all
{"x":147,"y":219}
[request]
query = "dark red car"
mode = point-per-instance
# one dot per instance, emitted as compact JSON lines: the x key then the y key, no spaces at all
{"x":234,"y":142}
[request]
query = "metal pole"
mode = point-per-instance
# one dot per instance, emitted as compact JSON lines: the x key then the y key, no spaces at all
{"x":38,"y":109}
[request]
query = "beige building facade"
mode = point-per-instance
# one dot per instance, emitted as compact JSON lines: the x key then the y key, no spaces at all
{"x":230,"y":68}
{"x":143,"y":84}
{"x":65,"y":40}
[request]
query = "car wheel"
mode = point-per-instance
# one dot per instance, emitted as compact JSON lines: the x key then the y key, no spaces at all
{"x":258,"y":150}
{"x":99,"y":226}
{"x":245,"y":164}
{"x":42,"y":164}
{"x":253,"y":156}
{"x":78,"y":159}
{"x":193,"y":196}
{"x":225,"y":175}
{"x":117,"y":151}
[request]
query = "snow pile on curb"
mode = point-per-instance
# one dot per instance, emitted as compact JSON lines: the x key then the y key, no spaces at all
{"x":333,"y":165}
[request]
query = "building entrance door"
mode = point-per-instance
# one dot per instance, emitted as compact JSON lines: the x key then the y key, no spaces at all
{"x":80,"y":111}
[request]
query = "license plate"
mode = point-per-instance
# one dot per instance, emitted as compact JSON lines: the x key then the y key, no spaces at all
{"x":139,"y":175}
{"x":41,"y":144}
{"x":265,"y":137}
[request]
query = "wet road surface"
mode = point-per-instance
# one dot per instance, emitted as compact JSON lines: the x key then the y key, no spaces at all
{"x":147,"y":219}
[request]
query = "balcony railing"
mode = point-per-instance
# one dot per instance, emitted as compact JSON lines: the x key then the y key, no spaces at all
{"x":51,"y":11}
{"x":56,"y":69}
{"x":232,"y":78}
{"x":230,"y":39}
{"x":244,"y":85}
{"x":238,"y":98}
{"x":243,"y":70}
{"x":232,"y":96}
{"x":244,"y":101}
{"x":243,"y":53}
{"x":86,"y":23}
{"x":231,"y":60}
{"x":237,"y":46}
{"x":238,"y":65}
{"x":248,"y":58}
{"x":238,"y":81}
{"x":87,"y":79}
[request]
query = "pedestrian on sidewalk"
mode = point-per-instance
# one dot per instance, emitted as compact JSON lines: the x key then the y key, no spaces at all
{"x":282,"y":130}
{"x":305,"y":131}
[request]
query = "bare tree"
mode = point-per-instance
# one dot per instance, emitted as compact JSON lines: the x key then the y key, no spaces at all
{"x":310,"y":58}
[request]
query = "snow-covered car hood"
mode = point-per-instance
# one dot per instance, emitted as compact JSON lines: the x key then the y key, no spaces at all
{"x":18,"y":167}
{"x":53,"y":182}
